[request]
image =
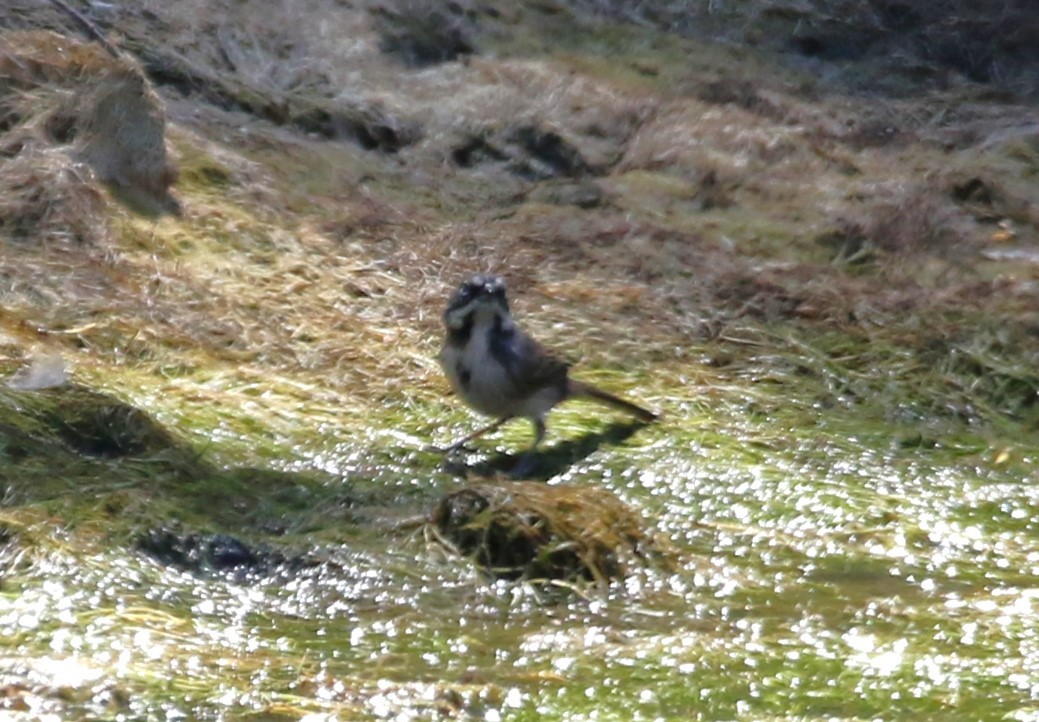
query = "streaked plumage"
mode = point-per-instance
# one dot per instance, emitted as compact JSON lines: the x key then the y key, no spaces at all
{"x":502,"y":372}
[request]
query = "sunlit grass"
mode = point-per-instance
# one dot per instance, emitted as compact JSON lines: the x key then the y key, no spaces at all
{"x":829,"y":568}
{"x":842,"y":471}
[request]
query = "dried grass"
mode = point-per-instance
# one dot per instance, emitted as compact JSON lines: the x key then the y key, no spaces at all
{"x":47,"y":195}
{"x":344,"y":277}
{"x":72,"y":114}
{"x":536,"y":532}
{"x":122,"y":136}
{"x":919,"y":220}
{"x":258,"y":57}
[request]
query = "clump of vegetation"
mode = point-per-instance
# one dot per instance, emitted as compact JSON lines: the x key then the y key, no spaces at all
{"x":47,"y":195}
{"x":72,"y":113}
{"x":911,"y":222}
{"x":527,"y":530}
{"x":96,"y":424}
{"x":69,"y":421}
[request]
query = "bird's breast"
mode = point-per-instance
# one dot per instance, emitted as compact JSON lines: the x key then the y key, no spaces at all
{"x":478,"y":377}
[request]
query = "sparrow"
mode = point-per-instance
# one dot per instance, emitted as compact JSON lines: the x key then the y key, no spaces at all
{"x":500,"y":371}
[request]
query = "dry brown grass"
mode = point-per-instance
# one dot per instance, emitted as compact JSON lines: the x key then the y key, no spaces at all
{"x":46,"y":195}
{"x":536,"y":532}
{"x":311,"y":257}
{"x":79,"y":104}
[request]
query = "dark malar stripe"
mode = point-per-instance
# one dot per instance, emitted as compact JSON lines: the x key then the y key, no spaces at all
{"x":499,"y":341}
{"x":459,"y":337}
{"x":464,"y":376}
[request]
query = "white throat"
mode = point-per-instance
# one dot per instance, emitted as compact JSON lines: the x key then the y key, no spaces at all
{"x":482,"y":315}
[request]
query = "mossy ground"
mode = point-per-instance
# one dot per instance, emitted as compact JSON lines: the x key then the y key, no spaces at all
{"x":824,"y":312}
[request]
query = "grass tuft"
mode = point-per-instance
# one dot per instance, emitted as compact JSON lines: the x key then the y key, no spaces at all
{"x":527,"y":530}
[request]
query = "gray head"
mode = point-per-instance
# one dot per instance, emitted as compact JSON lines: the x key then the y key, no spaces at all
{"x":480,"y":294}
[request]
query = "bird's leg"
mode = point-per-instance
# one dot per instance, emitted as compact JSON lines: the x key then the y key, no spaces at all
{"x":475,"y":435}
{"x":526,"y":462}
{"x":539,"y":433}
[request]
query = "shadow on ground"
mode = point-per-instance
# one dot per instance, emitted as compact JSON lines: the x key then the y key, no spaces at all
{"x":100,"y":460}
{"x":553,"y":461}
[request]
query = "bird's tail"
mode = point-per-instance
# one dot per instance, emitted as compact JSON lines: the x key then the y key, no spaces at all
{"x":580,"y":390}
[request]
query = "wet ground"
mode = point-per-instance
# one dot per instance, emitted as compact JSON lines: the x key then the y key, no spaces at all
{"x":836,"y":567}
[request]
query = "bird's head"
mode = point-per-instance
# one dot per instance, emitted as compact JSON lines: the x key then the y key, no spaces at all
{"x":480,"y":296}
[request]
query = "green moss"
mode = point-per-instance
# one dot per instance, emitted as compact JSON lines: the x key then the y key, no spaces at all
{"x":800,"y":481}
{"x":198,"y":170}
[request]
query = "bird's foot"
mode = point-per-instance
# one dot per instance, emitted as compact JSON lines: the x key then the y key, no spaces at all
{"x":526,"y":464}
{"x":455,"y":467}
{"x":449,"y":449}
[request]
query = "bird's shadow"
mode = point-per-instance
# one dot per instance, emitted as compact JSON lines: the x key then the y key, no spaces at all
{"x":545,"y":464}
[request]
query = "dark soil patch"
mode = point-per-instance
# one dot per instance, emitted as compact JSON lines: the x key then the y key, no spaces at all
{"x":217,"y":554}
{"x":369,"y":127}
{"x":527,"y":151}
{"x":425,"y":32}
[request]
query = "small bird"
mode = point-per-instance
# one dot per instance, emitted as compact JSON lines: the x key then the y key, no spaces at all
{"x":502,"y":372}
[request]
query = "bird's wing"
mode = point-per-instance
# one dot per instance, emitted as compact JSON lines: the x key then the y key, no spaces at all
{"x":529,"y":365}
